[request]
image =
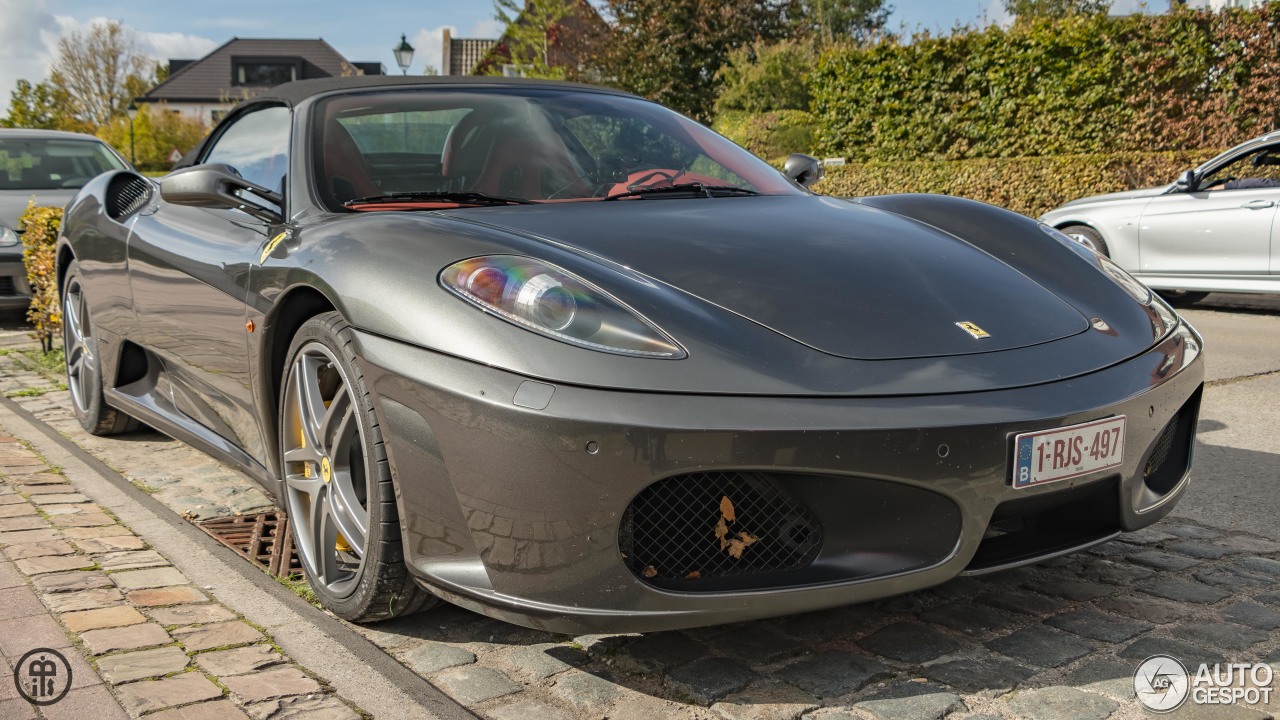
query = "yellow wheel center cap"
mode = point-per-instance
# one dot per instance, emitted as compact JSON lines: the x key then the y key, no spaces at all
{"x":326,"y":470}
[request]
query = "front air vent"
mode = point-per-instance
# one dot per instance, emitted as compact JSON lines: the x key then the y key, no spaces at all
{"x":690,"y":529}
{"x":126,"y":194}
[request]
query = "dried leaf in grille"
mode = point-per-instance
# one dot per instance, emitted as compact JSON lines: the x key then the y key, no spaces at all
{"x":709,"y":525}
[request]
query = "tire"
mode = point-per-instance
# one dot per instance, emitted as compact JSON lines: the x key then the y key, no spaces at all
{"x":84,"y":375}
{"x":337,"y":481}
{"x":1182,"y":297}
{"x":1088,"y":237}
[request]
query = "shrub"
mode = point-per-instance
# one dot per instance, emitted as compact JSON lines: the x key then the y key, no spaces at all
{"x":1031,"y":186}
{"x":157,"y":132}
{"x":40,"y":225}
{"x":772,"y":135}
{"x":1074,"y":85}
{"x":763,"y":78}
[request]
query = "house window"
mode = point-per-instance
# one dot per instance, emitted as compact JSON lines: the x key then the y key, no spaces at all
{"x":263,"y":73}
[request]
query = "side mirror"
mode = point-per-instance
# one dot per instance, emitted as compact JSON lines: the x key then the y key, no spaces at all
{"x":218,"y":186}
{"x":1187,"y":181}
{"x":805,"y":170}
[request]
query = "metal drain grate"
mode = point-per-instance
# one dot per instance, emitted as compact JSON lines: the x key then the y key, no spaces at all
{"x":263,"y":538}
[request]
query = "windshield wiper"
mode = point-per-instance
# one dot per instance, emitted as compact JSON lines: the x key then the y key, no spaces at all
{"x":696,"y":188}
{"x":464,"y":198}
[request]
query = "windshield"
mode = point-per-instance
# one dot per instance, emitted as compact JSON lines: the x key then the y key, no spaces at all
{"x":47,"y":164}
{"x":427,"y":147}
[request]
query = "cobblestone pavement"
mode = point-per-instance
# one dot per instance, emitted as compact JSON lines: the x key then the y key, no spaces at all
{"x":139,"y":637}
{"x":1054,"y":641}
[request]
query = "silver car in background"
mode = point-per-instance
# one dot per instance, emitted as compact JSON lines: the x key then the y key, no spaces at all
{"x":1213,"y":230}
{"x":48,"y":167}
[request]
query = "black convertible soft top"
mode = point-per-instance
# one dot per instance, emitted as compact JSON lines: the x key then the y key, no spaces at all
{"x":299,"y":90}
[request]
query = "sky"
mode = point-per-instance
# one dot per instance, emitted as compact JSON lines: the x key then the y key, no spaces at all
{"x":359,"y":29}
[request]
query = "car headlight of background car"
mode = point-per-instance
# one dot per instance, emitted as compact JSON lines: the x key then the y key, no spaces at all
{"x":1131,"y":285}
{"x":8,"y":238}
{"x":550,"y":301}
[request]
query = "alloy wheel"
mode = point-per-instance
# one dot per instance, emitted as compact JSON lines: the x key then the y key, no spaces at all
{"x":325,"y":475}
{"x":1084,"y":240}
{"x":78,"y":346}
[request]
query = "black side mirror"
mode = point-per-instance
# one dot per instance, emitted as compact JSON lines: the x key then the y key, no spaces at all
{"x":219,"y":186}
{"x":805,"y":170}
{"x":1187,"y":181}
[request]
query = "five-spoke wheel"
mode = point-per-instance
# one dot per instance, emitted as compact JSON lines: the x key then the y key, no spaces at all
{"x":337,"y":485}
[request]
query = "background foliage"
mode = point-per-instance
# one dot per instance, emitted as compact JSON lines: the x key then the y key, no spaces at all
{"x":1029,"y":185}
{"x":1053,"y":86}
{"x":41,"y":233}
{"x":157,"y":132}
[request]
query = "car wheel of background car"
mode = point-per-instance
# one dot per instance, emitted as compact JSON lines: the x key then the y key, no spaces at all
{"x":80,"y":349}
{"x":1087,"y":237}
{"x":1182,"y":297}
{"x":338,"y":489}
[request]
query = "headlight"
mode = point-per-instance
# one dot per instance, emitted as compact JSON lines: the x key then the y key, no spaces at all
{"x":543,"y":298}
{"x":1131,"y":284}
{"x":8,"y":238}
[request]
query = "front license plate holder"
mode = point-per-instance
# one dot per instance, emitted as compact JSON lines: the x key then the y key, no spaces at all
{"x":1062,"y":453}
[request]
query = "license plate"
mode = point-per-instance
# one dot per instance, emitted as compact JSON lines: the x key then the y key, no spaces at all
{"x":1051,"y":455}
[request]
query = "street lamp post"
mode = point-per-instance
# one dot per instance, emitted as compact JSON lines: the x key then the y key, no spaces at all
{"x":133,"y":115}
{"x":404,"y":55}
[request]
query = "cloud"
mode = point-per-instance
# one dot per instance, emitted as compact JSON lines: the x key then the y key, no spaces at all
{"x":158,"y":45}
{"x":26,"y":28}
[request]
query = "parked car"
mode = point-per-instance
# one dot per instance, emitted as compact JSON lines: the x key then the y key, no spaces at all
{"x":48,"y":167}
{"x":562,"y":356}
{"x":1214,"y":229}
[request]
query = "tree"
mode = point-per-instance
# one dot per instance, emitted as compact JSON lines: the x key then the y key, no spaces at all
{"x":765,"y":78}
{"x":40,"y":107}
{"x":1026,"y":9}
{"x":832,"y":20}
{"x":533,"y":31}
{"x":672,"y":50}
{"x":157,"y":132}
{"x":100,"y":72}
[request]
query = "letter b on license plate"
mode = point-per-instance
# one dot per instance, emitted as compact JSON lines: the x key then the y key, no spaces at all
{"x":1051,"y":455}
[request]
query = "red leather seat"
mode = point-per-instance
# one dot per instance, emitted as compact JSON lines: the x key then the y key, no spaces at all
{"x":345,"y":169}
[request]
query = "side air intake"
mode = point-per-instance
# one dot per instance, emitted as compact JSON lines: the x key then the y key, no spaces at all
{"x":126,"y":194}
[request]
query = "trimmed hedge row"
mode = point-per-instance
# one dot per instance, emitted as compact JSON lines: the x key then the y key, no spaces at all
{"x":1029,"y":185}
{"x":40,"y":234}
{"x":771,"y":135}
{"x":1080,"y":84}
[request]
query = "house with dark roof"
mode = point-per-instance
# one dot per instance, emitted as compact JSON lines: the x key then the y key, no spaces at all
{"x":241,"y":68}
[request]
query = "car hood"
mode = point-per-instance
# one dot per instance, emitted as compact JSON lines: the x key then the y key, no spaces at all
{"x":1126,"y":195}
{"x":13,"y":203}
{"x":843,"y":278}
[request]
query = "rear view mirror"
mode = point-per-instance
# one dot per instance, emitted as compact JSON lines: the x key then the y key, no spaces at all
{"x":805,"y":170}
{"x":1187,"y":181}
{"x":218,"y":186}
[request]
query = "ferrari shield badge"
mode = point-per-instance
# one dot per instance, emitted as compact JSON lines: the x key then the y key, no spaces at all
{"x":977,"y":332}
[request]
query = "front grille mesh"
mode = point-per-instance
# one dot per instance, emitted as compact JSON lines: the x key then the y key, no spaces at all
{"x":669,"y":532}
{"x":1160,"y":452}
{"x":127,"y":194}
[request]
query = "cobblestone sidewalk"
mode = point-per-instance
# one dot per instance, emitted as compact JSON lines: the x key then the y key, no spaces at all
{"x":1056,"y":641}
{"x":139,"y":637}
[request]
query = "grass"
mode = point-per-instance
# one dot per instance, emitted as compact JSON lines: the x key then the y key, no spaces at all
{"x":297,"y":582}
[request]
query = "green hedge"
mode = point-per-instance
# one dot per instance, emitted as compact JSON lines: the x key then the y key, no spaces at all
{"x":1030,"y":186}
{"x":1080,"y":84}
{"x":772,"y":135}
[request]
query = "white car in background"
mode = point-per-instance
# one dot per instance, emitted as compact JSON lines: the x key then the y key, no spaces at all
{"x":1215,"y":229}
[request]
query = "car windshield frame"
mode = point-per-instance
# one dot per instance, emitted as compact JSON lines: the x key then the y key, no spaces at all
{"x":537,"y":115}
{"x":46,"y":179}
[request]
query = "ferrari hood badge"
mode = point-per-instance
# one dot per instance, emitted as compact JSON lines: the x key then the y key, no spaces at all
{"x":977,"y":332}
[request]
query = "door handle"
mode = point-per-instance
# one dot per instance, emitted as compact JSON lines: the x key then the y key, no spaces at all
{"x":1258,"y":204}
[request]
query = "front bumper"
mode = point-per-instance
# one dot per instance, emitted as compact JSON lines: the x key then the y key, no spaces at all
{"x":513,"y":493}
{"x":15,"y":293}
